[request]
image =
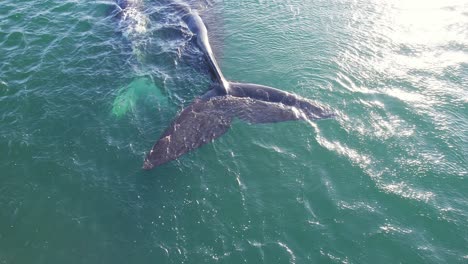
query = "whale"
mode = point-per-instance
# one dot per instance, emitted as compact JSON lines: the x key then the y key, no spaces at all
{"x":211,"y":114}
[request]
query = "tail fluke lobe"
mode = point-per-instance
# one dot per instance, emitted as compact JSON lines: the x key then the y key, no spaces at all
{"x":307,"y":108}
{"x":198,"y":124}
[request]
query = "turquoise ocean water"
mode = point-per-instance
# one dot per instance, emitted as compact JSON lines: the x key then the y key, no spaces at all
{"x":85,"y":93}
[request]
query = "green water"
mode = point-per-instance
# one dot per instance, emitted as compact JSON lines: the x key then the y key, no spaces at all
{"x":130,"y":96}
{"x":83,"y":97}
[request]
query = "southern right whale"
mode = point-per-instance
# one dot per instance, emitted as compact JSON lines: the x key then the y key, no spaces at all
{"x":210,"y":115}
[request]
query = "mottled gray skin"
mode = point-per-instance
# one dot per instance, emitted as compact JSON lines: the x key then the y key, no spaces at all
{"x":198,"y":28}
{"x":211,"y":115}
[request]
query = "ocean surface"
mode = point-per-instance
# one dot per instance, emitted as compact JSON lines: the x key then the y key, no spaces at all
{"x":86,"y":90}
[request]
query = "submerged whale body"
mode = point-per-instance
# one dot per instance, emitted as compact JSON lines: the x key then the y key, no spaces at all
{"x":210,"y":115}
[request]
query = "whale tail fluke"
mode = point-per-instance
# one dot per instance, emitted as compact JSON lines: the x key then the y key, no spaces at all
{"x":209,"y":117}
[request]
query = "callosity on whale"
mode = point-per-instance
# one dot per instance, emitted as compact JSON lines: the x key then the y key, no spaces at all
{"x":211,"y":114}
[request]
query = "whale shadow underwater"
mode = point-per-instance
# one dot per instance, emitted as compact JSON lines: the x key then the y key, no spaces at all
{"x":210,"y":115}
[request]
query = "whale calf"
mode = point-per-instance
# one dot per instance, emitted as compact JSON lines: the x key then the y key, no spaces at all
{"x":210,"y":115}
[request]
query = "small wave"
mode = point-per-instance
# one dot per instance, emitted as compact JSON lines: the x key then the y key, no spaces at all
{"x":385,"y":127}
{"x":292,"y":257}
{"x":403,"y":190}
{"x":355,"y":156}
{"x":346,"y":82}
{"x":409,"y":97}
{"x":357,"y":206}
{"x":388,"y":228}
{"x":333,"y":257}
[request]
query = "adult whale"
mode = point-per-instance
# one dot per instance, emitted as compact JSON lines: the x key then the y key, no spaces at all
{"x":210,"y":115}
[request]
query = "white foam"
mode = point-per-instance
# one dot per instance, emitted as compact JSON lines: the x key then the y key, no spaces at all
{"x":334,"y":258}
{"x":388,"y":228}
{"x":136,"y":19}
{"x":134,"y":25}
{"x":292,"y":257}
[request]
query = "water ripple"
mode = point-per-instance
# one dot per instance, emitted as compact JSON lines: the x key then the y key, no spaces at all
{"x":387,"y":174}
